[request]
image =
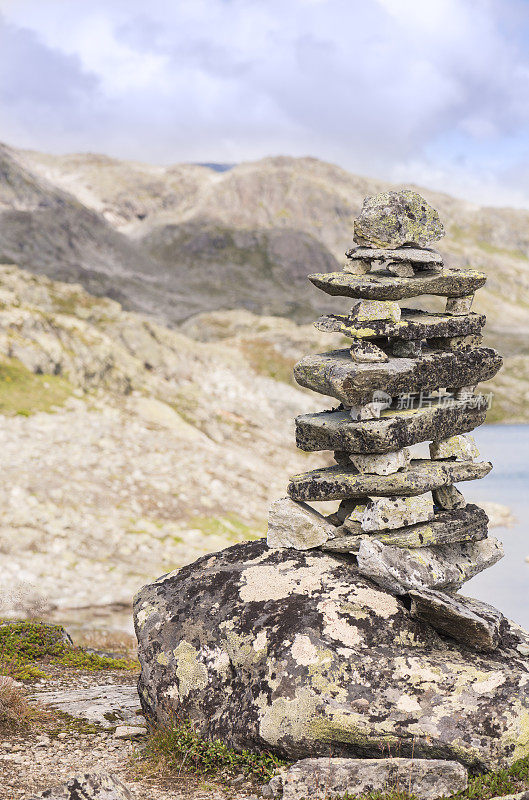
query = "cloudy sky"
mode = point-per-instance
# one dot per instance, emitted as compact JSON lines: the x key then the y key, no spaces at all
{"x":431,"y":91}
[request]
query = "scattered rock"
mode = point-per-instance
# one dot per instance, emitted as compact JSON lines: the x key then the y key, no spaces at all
{"x":395,"y":429}
{"x":441,"y":567}
{"x":103,"y":705}
{"x":88,"y":787}
{"x":471,"y":622}
{"x":422,"y":475}
{"x":387,"y":513}
{"x":335,"y":374}
{"x":298,"y":653}
{"x":374,"y":286}
{"x":391,"y":219}
{"x":461,"y":525}
{"x":295,"y":524}
{"x":370,"y":310}
{"x":460,"y":447}
{"x":385,"y":464}
{"x":427,"y":779}
{"x":414,"y":255}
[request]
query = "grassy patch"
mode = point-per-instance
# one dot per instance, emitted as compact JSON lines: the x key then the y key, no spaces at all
{"x":266,"y":360}
{"x":27,"y":647}
{"x":23,"y":392}
{"x":230,"y":527}
{"x":180,"y":749}
{"x":15,"y":710}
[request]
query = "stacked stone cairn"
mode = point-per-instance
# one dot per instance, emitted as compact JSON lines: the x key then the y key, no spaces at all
{"x":408,"y":376}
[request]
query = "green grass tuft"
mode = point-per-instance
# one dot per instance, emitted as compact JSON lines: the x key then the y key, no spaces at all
{"x":23,"y":392}
{"x":25,"y":647}
{"x":180,"y":749}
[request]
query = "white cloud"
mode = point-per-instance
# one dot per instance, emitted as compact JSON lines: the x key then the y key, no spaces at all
{"x":394,"y":88}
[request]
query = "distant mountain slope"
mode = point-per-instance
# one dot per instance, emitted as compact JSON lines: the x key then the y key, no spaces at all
{"x":174,"y":241}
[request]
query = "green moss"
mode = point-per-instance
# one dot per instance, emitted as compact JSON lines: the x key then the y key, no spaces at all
{"x":180,"y":749}
{"x":26,"y":647}
{"x":23,"y":392}
{"x":266,"y":360}
{"x":230,"y":527}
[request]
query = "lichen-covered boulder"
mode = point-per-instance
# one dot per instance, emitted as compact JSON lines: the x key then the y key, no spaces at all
{"x":297,"y":653}
{"x":391,"y":219}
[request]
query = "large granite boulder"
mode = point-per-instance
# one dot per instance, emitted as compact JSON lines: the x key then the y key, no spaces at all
{"x":297,"y":653}
{"x":391,"y":219}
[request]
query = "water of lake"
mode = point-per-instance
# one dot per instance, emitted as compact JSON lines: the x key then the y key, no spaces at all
{"x":506,"y":585}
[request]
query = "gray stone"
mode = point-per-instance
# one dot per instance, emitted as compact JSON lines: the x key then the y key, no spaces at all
{"x":415,"y":255}
{"x":333,"y":777}
{"x":129,"y":731}
{"x":455,"y":342}
{"x":375,"y":286}
{"x":468,"y":524}
{"x":439,"y":567}
{"x":366,"y":352}
{"x":88,"y":786}
{"x":104,"y":705}
{"x":392,"y":219}
{"x":297,"y":653}
{"x":335,"y":374}
{"x":465,"y":392}
{"x":422,"y":475}
{"x":402,"y":269}
{"x":292,"y":524}
{"x":411,"y":348}
{"x":459,"y":305}
{"x":460,"y":447}
{"x":357,"y":267}
{"x":372,"y":410}
{"x":335,"y":430}
{"x":376,"y":464}
{"x":371,"y":310}
{"x":388,"y":513}
{"x":413,"y":325}
{"x":471,"y":622}
{"x":448,"y":498}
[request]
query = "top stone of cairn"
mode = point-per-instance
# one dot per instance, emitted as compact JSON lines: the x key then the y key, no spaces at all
{"x":392,"y":219}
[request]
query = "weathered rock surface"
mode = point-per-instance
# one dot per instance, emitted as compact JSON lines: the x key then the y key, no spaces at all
{"x":292,"y":524}
{"x":392,"y":219}
{"x":437,"y":567}
{"x":448,"y":498}
{"x":415,"y":255}
{"x":91,"y":786}
{"x":366,"y":352}
{"x":389,"y":513}
{"x":471,"y":622}
{"x":459,"y":305}
{"x":335,"y":374}
{"x":461,"y":525}
{"x":371,"y":310}
{"x":412,"y":325}
{"x":422,"y":475}
{"x":396,"y":428}
{"x":104,"y":705}
{"x":459,"y":447}
{"x":333,"y":777}
{"x":375,"y":286}
{"x":298,"y":653}
{"x":381,"y":464}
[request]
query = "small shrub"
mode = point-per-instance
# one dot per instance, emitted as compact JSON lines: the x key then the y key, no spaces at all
{"x":15,"y":710}
{"x":180,"y":749}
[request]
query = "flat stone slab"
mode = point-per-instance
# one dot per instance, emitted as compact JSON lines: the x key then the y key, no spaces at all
{"x":297,"y":653}
{"x":337,"y":483}
{"x":412,"y":325}
{"x":467,"y":524}
{"x":332,"y":777}
{"x":447,"y":282}
{"x":471,"y":622}
{"x":89,"y":786}
{"x":396,"y":428}
{"x":353,"y":384}
{"x":414,"y":255}
{"x":106,"y":705}
{"x":445,"y":566}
